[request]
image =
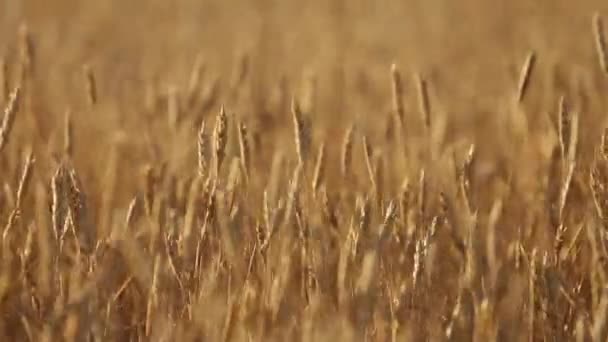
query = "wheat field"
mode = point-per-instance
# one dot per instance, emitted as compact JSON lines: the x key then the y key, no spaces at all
{"x":232,"y":170}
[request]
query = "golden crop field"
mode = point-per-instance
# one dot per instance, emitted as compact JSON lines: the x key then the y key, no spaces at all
{"x":265,"y":170}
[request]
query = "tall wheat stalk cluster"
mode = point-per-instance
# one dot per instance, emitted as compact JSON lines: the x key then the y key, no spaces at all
{"x":218,"y":207}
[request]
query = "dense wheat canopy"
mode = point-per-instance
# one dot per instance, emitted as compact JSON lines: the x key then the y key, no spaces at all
{"x":231,"y":170}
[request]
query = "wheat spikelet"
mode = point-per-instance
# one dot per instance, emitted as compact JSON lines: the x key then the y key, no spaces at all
{"x":26,"y":53}
{"x":423,"y":100}
{"x":130,"y":212}
{"x":347,"y":151}
{"x":466,"y":174}
{"x":397,"y":89}
{"x":367,"y":154}
{"x":16,"y":212}
{"x":301,"y":134}
{"x":600,"y":41}
{"x":220,"y":139}
{"x":244,"y":148}
{"x":604,"y":144}
{"x":422,"y":197}
{"x":598,"y":183}
{"x":78,"y":208}
{"x":90,"y":85}
{"x":525,"y":75}
{"x":573,"y":142}
{"x":379,"y":177}
{"x":58,"y":208}
{"x":319,"y":169}
{"x":201,"y":145}
{"x":261,"y":234}
{"x":266,"y":212}
{"x":292,"y":196}
{"x":149,"y":182}
{"x":25,"y":179}
{"x":418,"y":261}
{"x":9,"y":116}
{"x":564,"y":123}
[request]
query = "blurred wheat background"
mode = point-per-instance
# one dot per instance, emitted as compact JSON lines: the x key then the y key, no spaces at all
{"x":231,"y":170}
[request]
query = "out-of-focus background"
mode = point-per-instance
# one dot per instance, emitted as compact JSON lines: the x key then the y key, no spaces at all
{"x":475,"y":40}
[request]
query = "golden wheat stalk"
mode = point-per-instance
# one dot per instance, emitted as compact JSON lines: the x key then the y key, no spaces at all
{"x":9,"y":116}
{"x":600,"y":41}
{"x":300,"y":132}
{"x":319,"y":169}
{"x":292,"y":196}
{"x":573,"y":136}
{"x":90,"y":85}
{"x":194,"y":83}
{"x":4,"y":79}
{"x":309,"y":92}
{"x":423,"y":100}
{"x":57,"y":207}
{"x":172,"y":106}
{"x":564,"y":123}
{"x":26,"y":53}
{"x":422,"y":189}
{"x":244,"y":148}
{"x":23,"y":183}
{"x":604,"y":144}
{"x":367,"y":154}
{"x":149,"y":183}
{"x":347,"y":151}
{"x":25,"y":179}
{"x":525,"y":75}
{"x":397,"y":92}
{"x":68,"y":134}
